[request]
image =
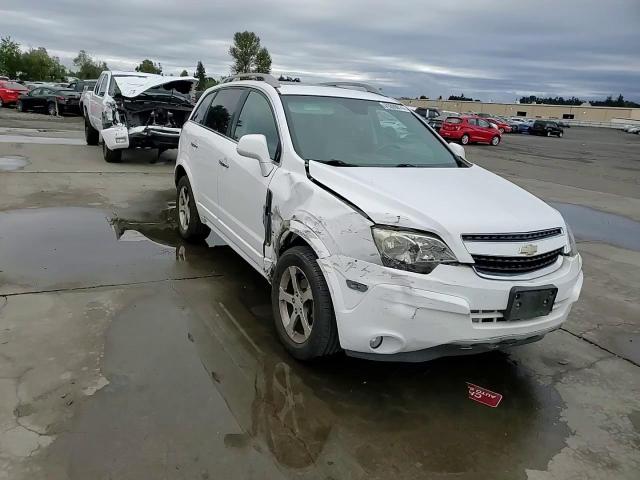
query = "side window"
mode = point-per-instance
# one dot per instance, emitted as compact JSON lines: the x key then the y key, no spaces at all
{"x":35,"y":91}
{"x":222,"y":109}
{"x":201,"y":110}
{"x":97,"y":86}
{"x":483,"y":123}
{"x":103,"y":86}
{"x":256,"y":117}
{"x":472,"y":121}
{"x":113,"y":87}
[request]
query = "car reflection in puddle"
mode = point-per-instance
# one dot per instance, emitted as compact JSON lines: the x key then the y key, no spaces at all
{"x":345,"y":417}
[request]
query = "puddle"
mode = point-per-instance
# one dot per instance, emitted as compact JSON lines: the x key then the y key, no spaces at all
{"x":197,"y":364}
{"x":51,"y":248}
{"x":594,"y":225}
{"x":10,"y":163}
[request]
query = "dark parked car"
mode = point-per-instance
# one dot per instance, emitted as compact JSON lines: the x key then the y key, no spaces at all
{"x":50,"y":100}
{"x":431,"y":115}
{"x":547,"y":128}
{"x":80,"y":85}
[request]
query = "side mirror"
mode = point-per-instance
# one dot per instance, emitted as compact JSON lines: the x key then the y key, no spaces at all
{"x":255,"y":146}
{"x":458,"y":150}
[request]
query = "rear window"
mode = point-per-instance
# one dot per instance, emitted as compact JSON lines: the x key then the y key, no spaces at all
{"x":453,"y":120}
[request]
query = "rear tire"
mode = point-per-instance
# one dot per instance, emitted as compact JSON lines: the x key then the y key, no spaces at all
{"x":464,"y":139}
{"x":90,"y":133}
{"x":51,"y":109}
{"x":190,"y":226}
{"x":302,"y":308}
{"x":20,"y":106}
{"x":495,"y":140}
{"x":560,"y":134}
{"x":548,"y":133}
{"x":111,"y":156}
{"x":1,"y":103}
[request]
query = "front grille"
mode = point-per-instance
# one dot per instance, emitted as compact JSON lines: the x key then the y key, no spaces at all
{"x":511,"y":237}
{"x":497,"y":265}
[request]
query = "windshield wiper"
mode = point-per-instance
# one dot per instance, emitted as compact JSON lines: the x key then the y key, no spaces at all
{"x":403,"y":165}
{"x":339,"y":163}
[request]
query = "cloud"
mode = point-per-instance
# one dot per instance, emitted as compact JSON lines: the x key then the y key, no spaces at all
{"x":487,"y":49}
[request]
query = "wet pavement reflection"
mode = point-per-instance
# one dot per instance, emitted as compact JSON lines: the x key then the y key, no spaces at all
{"x":339,"y":418}
{"x":589,"y":224}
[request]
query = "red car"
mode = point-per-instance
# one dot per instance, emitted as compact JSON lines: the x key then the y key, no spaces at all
{"x":502,"y":126}
{"x":10,"y":91}
{"x":467,"y":129}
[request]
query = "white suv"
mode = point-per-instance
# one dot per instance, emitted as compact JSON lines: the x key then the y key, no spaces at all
{"x":377,"y":236}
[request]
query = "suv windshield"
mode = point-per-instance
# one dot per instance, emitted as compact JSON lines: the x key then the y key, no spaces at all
{"x":362,"y":133}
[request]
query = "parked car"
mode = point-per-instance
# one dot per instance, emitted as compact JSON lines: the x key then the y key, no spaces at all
{"x":384,"y":246}
{"x":133,"y":110}
{"x":634,"y":130}
{"x":49,"y":100}
{"x":521,"y":127}
{"x":10,"y":91}
{"x":500,"y":124}
{"x":82,"y":85}
{"x":470,"y":129}
{"x":547,"y":128}
{"x":432,"y":115}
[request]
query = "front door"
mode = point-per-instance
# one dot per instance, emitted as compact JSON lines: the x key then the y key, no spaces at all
{"x":242,"y":188}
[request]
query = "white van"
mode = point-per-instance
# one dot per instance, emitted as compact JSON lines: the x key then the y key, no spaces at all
{"x":378,"y":237}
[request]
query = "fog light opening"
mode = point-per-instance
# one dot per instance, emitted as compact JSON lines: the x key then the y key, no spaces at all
{"x":375,"y":342}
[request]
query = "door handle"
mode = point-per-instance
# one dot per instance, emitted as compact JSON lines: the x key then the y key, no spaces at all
{"x":223,"y":162}
{"x":194,"y":145}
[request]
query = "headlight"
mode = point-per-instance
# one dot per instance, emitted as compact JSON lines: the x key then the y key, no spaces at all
{"x":415,"y":252}
{"x":573,"y":249}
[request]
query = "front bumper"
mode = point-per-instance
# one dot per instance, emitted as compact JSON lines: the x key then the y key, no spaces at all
{"x":421,"y":317}
{"x":120,"y":137}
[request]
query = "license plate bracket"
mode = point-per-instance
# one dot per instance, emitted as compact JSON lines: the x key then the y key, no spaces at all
{"x":530,"y":302}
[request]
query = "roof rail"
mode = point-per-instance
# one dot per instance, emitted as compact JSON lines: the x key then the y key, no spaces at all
{"x":261,"y":77}
{"x":358,"y":85}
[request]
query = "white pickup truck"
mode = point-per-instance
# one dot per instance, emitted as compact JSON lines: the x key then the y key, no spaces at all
{"x":136,"y":110}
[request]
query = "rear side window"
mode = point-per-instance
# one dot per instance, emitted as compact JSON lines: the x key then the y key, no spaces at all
{"x":453,"y":120}
{"x":201,"y":111}
{"x":256,"y":117}
{"x":222,"y":109}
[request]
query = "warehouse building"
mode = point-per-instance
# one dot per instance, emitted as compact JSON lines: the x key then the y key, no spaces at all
{"x":582,"y":114}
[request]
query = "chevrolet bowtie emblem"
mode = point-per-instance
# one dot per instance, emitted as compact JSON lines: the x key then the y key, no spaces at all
{"x":528,"y":250}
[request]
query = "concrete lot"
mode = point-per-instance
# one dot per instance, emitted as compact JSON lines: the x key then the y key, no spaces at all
{"x":127,"y":354}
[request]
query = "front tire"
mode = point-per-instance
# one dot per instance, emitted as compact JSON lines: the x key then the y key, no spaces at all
{"x":464,"y":140}
{"x":560,"y":134}
{"x":548,"y":133}
{"x":190,"y":226}
{"x":20,"y":106}
{"x":51,"y":109}
{"x":1,"y":103}
{"x":111,"y":156}
{"x":495,"y":140}
{"x":302,"y":307}
{"x":90,"y":134}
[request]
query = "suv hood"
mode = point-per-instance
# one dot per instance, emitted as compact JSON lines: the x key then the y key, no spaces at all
{"x":447,"y":201}
{"x":133,"y":86}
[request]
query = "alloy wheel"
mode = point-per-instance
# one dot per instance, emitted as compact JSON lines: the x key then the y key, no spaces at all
{"x":296,"y":304}
{"x":184,"y":213}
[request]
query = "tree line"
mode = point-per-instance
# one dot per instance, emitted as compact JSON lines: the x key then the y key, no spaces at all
{"x":575,"y":101}
{"x":36,"y":64}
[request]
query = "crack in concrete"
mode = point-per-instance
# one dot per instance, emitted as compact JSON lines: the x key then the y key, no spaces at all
{"x":600,"y":347}
{"x":105,"y":285}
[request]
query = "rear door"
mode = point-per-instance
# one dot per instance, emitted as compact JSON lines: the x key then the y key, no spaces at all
{"x":243,"y":189}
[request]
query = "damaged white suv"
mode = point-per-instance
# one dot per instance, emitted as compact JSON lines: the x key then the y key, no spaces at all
{"x":136,"y":110}
{"x":377,"y":237}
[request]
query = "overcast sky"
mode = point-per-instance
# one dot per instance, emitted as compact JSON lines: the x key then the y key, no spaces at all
{"x":493,"y":50}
